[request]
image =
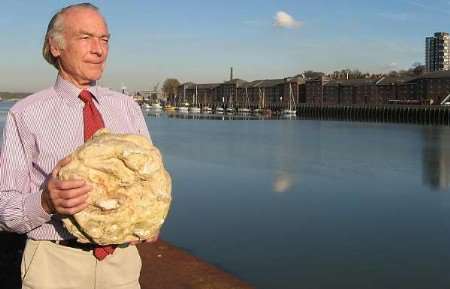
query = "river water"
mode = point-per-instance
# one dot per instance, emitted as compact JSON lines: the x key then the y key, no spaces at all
{"x":308,"y":203}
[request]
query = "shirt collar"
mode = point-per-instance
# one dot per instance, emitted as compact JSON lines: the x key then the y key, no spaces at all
{"x":69,"y":92}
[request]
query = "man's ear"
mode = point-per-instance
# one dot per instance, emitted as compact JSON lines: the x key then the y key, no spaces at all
{"x":54,"y":47}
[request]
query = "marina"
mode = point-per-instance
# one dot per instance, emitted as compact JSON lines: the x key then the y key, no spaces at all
{"x":423,"y":99}
{"x":416,"y":114}
{"x":309,"y":203}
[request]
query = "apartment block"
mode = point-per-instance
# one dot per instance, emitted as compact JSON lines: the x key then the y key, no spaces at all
{"x":437,"y":53}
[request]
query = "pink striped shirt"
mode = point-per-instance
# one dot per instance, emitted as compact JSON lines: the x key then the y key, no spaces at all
{"x":40,"y":130}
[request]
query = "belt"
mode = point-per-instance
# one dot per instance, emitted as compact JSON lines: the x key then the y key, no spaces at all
{"x":72,"y":243}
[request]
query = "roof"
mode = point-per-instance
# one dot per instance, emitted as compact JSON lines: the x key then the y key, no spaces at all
{"x":191,"y":85}
{"x":318,"y":78}
{"x":265,"y":83}
{"x":208,"y":85}
{"x":387,"y":80}
{"x":238,"y":82}
{"x":187,"y":84}
{"x":435,"y":74}
{"x":352,"y":82}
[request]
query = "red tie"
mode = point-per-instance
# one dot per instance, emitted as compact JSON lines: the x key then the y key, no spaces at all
{"x":92,"y":118}
{"x":92,"y":122}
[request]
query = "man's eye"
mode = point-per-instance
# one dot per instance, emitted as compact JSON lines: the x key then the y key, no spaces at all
{"x":85,"y":37}
{"x":105,"y":40}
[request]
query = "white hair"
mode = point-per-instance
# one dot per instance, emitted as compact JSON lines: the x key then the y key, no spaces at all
{"x":55,"y":31}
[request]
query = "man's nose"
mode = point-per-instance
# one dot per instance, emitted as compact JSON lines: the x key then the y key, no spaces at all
{"x":96,"y":47}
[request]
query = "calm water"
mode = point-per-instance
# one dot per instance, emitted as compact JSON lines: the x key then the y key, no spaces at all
{"x":311,"y":204}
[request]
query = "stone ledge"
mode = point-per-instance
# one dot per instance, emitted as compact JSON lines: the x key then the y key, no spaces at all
{"x":165,"y":266}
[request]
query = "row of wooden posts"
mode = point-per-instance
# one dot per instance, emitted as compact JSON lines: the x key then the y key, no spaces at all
{"x":435,"y":115}
{"x":420,"y":114}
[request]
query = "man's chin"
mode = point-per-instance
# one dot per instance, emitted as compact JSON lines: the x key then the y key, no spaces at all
{"x":95,"y":76}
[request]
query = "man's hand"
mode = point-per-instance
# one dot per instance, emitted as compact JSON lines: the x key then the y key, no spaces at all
{"x":64,"y":197}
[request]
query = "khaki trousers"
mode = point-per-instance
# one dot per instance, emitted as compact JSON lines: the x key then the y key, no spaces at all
{"x":46,"y":265}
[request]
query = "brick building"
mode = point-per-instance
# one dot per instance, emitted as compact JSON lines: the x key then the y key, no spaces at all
{"x":429,"y":88}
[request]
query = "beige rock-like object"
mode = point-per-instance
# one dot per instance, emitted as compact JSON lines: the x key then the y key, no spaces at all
{"x":131,"y":192}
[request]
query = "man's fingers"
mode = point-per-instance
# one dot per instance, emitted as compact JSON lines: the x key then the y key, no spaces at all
{"x":64,"y":161}
{"x":67,"y":197}
{"x":69,"y":185}
{"x":74,"y":193}
{"x":73,"y":202}
{"x":73,"y":210}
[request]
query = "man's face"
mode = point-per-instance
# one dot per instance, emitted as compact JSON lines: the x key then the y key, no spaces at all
{"x":83,"y":57}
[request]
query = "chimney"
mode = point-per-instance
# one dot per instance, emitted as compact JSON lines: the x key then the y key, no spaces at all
{"x":231,"y":73}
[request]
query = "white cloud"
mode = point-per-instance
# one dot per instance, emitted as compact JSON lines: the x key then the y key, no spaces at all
{"x":284,"y":20}
{"x":390,"y":66}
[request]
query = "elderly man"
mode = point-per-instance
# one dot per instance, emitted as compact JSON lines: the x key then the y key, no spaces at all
{"x":40,"y":131}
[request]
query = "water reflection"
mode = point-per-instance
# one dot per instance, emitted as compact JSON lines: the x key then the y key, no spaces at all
{"x":436,"y":158}
{"x":226,"y":116}
{"x":283,"y":182}
{"x":212,"y":116}
{"x":152,"y":113}
{"x":286,"y":155}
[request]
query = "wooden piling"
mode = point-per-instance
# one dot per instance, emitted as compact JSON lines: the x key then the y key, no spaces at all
{"x":428,"y":115}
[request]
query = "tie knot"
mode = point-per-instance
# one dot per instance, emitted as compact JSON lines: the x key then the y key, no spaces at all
{"x":85,"y":96}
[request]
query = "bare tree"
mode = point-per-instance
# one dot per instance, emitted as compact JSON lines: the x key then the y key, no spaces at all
{"x":417,"y":68}
{"x":170,"y":87}
{"x":312,"y":74}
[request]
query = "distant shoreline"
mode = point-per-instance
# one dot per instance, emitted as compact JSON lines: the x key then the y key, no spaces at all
{"x":13,"y":95}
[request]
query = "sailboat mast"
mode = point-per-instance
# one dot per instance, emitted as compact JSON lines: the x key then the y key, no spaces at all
{"x":230,"y":99}
{"x":246,"y":98}
{"x":291,"y":97}
{"x":259,"y":98}
{"x":263,"y":98}
{"x":196,"y":96}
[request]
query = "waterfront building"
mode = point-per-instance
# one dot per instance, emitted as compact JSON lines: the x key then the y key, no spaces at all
{"x":332,"y":92}
{"x":228,"y":92}
{"x":364,"y":90}
{"x":429,"y":88}
{"x":433,"y":87}
{"x":350,"y":92}
{"x":264,"y":93}
{"x":387,"y":88}
{"x":184,"y":94}
{"x":296,"y":86}
{"x":207,"y":94}
{"x":437,"y":53}
{"x":314,"y":89}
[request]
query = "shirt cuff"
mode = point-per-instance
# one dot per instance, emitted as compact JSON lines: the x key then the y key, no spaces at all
{"x":33,"y":210}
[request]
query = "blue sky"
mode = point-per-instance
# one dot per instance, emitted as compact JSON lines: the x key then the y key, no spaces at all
{"x":199,"y":40}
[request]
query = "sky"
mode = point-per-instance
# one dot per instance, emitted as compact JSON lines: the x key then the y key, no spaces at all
{"x":199,"y":41}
